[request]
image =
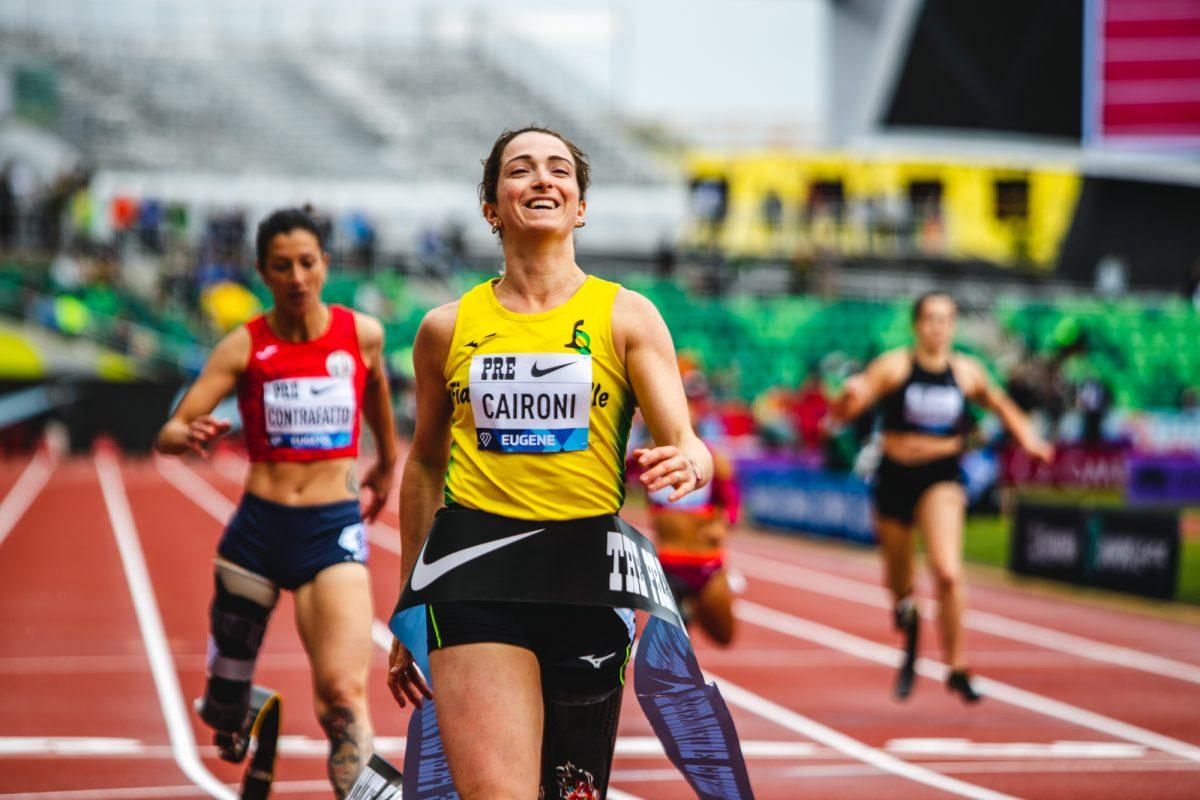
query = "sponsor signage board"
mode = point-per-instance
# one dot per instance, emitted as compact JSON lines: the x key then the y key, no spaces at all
{"x":1128,"y":550}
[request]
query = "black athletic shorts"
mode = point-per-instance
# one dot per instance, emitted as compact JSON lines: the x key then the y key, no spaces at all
{"x":580,"y":648}
{"x":898,"y":487}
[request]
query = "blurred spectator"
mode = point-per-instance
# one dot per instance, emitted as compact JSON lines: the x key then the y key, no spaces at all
{"x":1112,"y":277}
{"x":81,"y":211}
{"x":122,"y":216}
{"x":772,"y":211}
{"x":67,"y":271}
{"x":8,"y":210}
{"x":1094,"y":400}
{"x":809,"y":407}
{"x":362,"y":239}
{"x":771,"y":415}
{"x":665,"y":258}
{"x":1189,"y":401}
{"x":177,"y":223}
{"x":1191,"y":289}
{"x":456,"y":245}
{"x":150,"y":219}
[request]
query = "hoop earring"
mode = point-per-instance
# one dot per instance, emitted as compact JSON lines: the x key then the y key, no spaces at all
{"x":495,"y":229}
{"x":579,"y":223}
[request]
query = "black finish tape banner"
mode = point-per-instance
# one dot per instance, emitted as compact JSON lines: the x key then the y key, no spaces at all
{"x":600,"y":561}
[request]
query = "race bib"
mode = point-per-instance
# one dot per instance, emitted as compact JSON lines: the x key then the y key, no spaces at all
{"x":933,"y":407}
{"x":531,"y":402}
{"x":310,"y":413}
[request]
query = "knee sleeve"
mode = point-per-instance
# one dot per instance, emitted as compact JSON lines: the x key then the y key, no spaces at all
{"x":238,"y":617}
{"x":578,"y":740}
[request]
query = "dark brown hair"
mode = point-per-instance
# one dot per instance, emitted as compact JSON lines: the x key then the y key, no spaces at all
{"x":285,"y":220}
{"x":919,"y":303}
{"x":491,"y":164}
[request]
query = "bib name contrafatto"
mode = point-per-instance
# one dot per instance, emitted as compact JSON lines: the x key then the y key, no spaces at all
{"x":531,"y":402}
{"x":309,"y":413}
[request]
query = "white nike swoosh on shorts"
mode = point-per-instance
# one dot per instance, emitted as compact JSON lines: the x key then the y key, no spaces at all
{"x":425,"y":573}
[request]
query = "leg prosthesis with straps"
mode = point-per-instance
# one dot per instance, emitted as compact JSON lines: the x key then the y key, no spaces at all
{"x":241,"y":606}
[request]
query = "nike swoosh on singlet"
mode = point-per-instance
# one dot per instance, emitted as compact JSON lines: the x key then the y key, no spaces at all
{"x":538,"y":372}
{"x":323,"y":389}
{"x":425,"y":573}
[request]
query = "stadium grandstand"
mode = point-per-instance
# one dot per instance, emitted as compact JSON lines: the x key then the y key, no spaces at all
{"x":1036,"y":160}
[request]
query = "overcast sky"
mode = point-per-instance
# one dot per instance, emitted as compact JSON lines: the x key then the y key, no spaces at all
{"x":690,"y":63}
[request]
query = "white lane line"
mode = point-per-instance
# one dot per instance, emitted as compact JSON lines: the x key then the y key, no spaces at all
{"x":873,"y":595}
{"x":157,"y":792}
{"x":800,"y":628}
{"x":857,"y":750}
{"x":28,"y":486}
{"x":166,"y":682}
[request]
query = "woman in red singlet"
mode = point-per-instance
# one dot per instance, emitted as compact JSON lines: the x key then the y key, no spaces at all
{"x":304,"y":373}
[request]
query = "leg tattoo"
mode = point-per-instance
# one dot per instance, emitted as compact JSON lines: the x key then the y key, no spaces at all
{"x":349,"y":747}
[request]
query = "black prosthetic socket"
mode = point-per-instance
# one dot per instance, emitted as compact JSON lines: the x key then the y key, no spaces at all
{"x":578,"y":740}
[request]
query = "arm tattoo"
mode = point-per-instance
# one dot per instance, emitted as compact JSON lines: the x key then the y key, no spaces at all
{"x":349,"y":747}
{"x":352,"y":484}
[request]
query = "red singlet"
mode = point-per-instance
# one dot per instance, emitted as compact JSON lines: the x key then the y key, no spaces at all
{"x":300,"y":401}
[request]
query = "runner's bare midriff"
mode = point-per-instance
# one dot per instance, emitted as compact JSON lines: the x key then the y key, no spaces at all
{"x":689,"y":533}
{"x":914,"y":449}
{"x":306,"y":483}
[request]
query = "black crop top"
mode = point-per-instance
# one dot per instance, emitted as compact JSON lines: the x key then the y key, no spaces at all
{"x":927,"y":402}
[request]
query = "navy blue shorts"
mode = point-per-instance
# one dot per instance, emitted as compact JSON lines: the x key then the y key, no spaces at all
{"x":289,"y":545}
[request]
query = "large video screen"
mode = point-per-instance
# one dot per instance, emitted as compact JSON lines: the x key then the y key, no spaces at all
{"x":1142,"y":74}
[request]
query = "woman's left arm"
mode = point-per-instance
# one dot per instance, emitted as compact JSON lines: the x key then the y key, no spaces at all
{"x":377,"y":411}
{"x":678,"y":459}
{"x":980,"y":388}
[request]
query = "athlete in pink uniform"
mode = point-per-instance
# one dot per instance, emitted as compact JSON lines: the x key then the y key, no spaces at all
{"x":690,"y":534}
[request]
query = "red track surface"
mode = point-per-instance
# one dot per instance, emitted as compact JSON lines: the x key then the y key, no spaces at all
{"x":808,"y":678}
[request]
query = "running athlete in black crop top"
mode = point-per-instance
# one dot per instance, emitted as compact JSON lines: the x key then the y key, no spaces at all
{"x":927,"y":402}
{"x":923,"y":393}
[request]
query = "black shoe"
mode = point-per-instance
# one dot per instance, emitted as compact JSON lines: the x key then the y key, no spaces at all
{"x":908,"y":622}
{"x":959,"y":683}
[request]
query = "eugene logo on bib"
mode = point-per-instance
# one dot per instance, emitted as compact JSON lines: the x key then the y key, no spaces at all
{"x":531,"y":402}
{"x":309,"y":413}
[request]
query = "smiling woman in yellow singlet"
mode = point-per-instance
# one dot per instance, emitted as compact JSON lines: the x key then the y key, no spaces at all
{"x":525,"y":391}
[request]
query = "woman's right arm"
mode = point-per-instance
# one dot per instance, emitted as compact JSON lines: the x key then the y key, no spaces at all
{"x":422,"y":480}
{"x":191,"y":427}
{"x":863,"y":390}
{"x":424,"y":473}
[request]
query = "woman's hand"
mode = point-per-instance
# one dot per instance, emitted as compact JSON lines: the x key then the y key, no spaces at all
{"x":667,"y":466}
{"x":405,"y":678}
{"x":204,"y":430}
{"x":378,"y":480}
{"x":1040,"y":449}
